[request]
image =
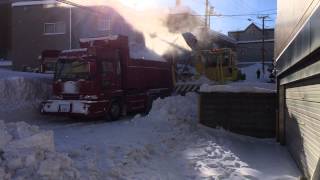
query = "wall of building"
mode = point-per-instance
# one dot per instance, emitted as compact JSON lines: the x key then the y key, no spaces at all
{"x":297,"y":56}
{"x":85,"y":22}
{"x":252,"y":52}
{"x":292,"y":15}
{"x":249,"y":44}
{"x":5,"y":29}
{"x":28,"y":37}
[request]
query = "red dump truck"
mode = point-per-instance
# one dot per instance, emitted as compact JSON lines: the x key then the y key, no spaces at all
{"x":101,"y":79}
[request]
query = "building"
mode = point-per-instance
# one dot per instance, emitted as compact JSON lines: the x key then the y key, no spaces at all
{"x":297,"y":60}
{"x":249,"y":44}
{"x":5,"y":29}
{"x":43,"y":25}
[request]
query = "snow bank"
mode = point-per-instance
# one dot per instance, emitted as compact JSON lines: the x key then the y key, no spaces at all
{"x":22,"y":90}
{"x":6,"y":73}
{"x":29,"y":153}
{"x":169,"y":110}
{"x":5,"y":63}
{"x":169,"y":143}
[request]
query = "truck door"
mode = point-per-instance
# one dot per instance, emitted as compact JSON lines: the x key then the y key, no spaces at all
{"x":107,"y":75}
{"x":111,"y":71}
{"x":117,"y":67}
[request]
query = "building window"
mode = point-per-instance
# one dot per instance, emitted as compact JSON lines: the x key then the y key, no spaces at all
{"x":104,"y":24}
{"x":54,"y":28}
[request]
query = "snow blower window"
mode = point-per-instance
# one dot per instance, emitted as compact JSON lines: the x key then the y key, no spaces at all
{"x":72,"y":70}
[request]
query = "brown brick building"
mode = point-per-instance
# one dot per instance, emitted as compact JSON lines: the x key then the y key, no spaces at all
{"x":249,"y":44}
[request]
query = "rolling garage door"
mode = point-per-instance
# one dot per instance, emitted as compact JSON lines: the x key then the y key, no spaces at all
{"x":302,"y":124}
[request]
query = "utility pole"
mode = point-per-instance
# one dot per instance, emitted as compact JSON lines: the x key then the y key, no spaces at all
{"x":263,"y":41}
{"x":207,"y":14}
{"x":211,"y":12}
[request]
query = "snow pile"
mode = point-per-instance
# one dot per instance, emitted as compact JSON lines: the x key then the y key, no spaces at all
{"x":169,"y":110}
{"x":5,"y":63}
{"x":29,"y":153}
{"x":167,"y":124}
{"x":23,"y":90}
{"x":168,"y":143}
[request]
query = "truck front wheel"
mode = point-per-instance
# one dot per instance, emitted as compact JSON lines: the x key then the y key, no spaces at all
{"x":115,"y":110}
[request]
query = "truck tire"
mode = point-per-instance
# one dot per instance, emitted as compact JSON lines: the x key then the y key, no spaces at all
{"x":149,"y":104}
{"x":115,"y":111}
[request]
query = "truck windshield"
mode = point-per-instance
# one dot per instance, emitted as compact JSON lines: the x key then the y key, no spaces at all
{"x":72,"y":69}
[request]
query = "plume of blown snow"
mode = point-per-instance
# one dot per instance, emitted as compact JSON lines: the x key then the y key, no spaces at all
{"x":162,"y":31}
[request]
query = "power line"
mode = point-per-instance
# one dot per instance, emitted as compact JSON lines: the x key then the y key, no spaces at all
{"x":267,"y":10}
{"x":250,"y":14}
{"x":263,"y":18}
{"x":227,"y":15}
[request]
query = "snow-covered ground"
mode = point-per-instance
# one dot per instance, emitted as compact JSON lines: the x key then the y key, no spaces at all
{"x":168,"y":143}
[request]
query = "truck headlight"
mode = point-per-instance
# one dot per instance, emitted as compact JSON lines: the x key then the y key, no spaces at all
{"x":60,"y":97}
{"x":90,"y":97}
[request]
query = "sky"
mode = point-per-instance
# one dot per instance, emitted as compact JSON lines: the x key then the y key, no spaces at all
{"x":225,"y":7}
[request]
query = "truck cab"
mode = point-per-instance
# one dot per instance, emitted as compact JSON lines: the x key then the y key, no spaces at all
{"x":48,"y":60}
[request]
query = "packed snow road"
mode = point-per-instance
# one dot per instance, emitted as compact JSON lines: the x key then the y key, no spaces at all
{"x":166,"y":144}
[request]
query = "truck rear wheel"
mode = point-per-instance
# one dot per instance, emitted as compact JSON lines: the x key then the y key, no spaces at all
{"x":115,"y":111}
{"x":149,"y":104}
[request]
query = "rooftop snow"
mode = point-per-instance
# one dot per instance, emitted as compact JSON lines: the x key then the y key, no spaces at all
{"x":255,"y":41}
{"x":75,"y":50}
{"x":236,"y":88}
{"x":32,"y":3}
{"x":105,"y":38}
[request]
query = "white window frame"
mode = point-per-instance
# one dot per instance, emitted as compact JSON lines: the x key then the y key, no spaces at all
{"x":107,"y":21}
{"x":55,"y":28}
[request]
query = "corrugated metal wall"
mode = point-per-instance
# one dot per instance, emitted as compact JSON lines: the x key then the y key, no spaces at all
{"x":302,"y":121}
{"x":292,"y":15}
{"x":298,"y":66}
